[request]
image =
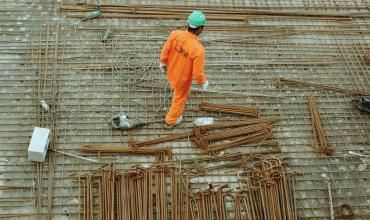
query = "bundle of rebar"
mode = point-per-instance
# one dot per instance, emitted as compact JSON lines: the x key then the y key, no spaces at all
{"x":255,"y":133}
{"x":233,"y":109}
{"x":208,"y":204}
{"x":266,"y":191}
{"x":183,"y":135}
{"x":165,"y":191}
{"x":138,"y":194}
{"x":93,"y":148}
{"x":135,"y":192}
{"x":318,"y":129}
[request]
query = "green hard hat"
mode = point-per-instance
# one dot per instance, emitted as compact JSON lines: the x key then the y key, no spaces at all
{"x":196,"y":19}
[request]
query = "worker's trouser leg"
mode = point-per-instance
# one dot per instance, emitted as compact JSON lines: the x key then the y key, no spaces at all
{"x":177,"y":107}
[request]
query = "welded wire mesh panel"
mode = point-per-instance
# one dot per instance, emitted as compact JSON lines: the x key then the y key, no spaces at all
{"x":52,"y":57}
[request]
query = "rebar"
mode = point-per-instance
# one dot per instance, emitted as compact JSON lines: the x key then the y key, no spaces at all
{"x":241,"y":57}
{"x":129,"y":195}
{"x":178,"y":136}
{"x":264,"y":185}
{"x":180,"y":11}
{"x":281,"y":81}
{"x":94,"y":148}
{"x":15,"y":187}
{"x":15,"y":215}
{"x":318,"y":129}
{"x":227,"y":108}
{"x":330,"y":200}
{"x":76,"y":156}
{"x":254,"y":133}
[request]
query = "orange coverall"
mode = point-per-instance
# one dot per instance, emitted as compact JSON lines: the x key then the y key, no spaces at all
{"x":184,"y":56}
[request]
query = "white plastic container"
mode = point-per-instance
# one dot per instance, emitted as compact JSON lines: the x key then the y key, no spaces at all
{"x":39,"y":144}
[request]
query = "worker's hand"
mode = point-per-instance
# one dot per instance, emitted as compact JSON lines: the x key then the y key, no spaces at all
{"x":163,"y":67}
{"x":205,"y":85}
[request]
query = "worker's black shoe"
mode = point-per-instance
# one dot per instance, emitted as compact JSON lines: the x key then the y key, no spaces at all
{"x":363,"y":103}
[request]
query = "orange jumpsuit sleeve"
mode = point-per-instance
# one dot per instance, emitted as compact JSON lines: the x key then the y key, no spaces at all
{"x":198,"y":67}
{"x":167,"y":48}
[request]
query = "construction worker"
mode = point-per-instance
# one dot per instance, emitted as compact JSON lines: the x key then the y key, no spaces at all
{"x":183,"y":58}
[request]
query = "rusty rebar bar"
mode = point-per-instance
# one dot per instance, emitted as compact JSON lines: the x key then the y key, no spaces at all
{"x":250,"y":134}
{"x":180,"y":12}
{"x":92,"y":148}
{"x":282,"y":81}
{"x":318,"y":129}
{"x":233,"y":109}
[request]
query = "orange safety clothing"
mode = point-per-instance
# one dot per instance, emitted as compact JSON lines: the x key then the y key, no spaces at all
{"x":184,"y":56}
{"x":177,"y":107}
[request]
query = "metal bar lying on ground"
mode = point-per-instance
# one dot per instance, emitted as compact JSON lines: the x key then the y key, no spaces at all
{"x":327,"y":181}
{"x":318,"y":130}
{"x":234,"y":109}
{"x":265,"y":190}
{"x":14,"y":187}
{"x":224,"y":13}
{"x":166,"y":138}
{"x":143,"y":193}
{"x":75,"y":156}
{"x":268,"y":121}
{"x":183,"y":135}
{"x":281,"y":81}
{"x":235,"y":93}
{"x":137,"y":194}
{"x":91,"y":148}
{"x":14,"y":215}
{"x":229,"y":156}
{"x":250,"y":134}
{"x":242,"y":94}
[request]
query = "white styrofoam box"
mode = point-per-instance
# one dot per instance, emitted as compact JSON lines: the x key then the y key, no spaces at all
{"x":39,"y":144}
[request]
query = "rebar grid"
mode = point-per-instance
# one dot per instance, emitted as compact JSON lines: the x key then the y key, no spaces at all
{"x":85,"y":82}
